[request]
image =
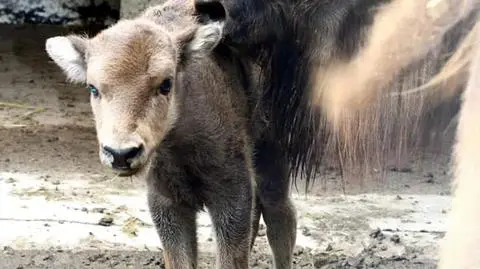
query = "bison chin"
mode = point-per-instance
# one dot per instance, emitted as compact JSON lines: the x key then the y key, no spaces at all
{"x":126,"y":172}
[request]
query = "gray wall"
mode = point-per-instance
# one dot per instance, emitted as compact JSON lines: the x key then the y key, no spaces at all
{"x":70,"y":12}
{"x":59,"y":11}
{"x":131,"y":8}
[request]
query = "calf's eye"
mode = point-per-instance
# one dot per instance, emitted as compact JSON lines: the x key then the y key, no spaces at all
{"x":165,"y":87}
{"x":93,"y":90}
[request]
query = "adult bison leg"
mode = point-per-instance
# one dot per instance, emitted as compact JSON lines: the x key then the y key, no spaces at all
{"x":461,"y":248}
{"x":277,"y":208}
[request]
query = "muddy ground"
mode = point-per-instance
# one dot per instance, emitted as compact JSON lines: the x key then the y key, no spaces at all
{"x":60,"y":209}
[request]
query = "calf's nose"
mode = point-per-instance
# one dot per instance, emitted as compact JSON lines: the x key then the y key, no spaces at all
{"x":121,"y":157}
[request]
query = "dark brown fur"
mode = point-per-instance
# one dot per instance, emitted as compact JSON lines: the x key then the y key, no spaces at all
{"x":205,"y":160}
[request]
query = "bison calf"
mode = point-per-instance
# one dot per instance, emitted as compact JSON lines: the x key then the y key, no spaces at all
{"x":170,"y":105}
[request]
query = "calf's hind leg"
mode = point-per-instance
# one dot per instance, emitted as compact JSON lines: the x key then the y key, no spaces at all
{"x":277,"y":208}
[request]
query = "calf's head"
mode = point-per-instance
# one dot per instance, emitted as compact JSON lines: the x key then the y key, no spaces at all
{"x":130,"y":70}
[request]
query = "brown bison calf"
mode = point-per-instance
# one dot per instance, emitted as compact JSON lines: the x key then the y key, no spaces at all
{"x":172,"y":105}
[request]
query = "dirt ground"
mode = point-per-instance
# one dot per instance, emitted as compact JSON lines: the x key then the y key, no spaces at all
{"x":60,"y":209}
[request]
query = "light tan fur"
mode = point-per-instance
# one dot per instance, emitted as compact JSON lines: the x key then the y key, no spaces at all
{"x":461,"y":245}
{"x":454,"y":72}
{"x":403,"y":31}
{"x":128,"y":112}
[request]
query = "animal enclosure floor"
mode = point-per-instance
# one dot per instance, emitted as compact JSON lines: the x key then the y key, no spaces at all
{"x":59,"y":207}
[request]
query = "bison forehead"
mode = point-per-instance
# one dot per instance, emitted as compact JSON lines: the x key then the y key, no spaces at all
{"x":133,"y":42}
{"x":127,"y":59}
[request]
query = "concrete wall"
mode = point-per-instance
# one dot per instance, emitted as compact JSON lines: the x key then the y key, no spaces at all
{"x":131,"y":8}
{"x":69,"y":12}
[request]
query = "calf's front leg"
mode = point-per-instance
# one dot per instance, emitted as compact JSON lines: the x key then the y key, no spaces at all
{"x":231,"y":216}
{"x":176,"y":227}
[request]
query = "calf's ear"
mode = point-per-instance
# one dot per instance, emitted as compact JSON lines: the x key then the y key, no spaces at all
{"x":204,"y":39}
{"x":68,"y":52}
{"x":201,"y":41}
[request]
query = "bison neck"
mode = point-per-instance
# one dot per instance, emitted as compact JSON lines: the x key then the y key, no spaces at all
{"x":213,"y":114}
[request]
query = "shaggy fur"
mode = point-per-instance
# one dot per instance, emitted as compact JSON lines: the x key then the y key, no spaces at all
{"x":328,"y":49}
{"x":461,"y":245}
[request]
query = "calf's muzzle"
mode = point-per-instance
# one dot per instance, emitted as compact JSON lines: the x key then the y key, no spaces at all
{"x":122,"y":158}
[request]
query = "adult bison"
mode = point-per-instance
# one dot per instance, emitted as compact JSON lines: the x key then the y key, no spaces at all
{"x":332,"y":52}
{"x":344,"y":56}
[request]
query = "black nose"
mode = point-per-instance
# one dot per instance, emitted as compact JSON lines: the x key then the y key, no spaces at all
{"x":121,"y":157}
